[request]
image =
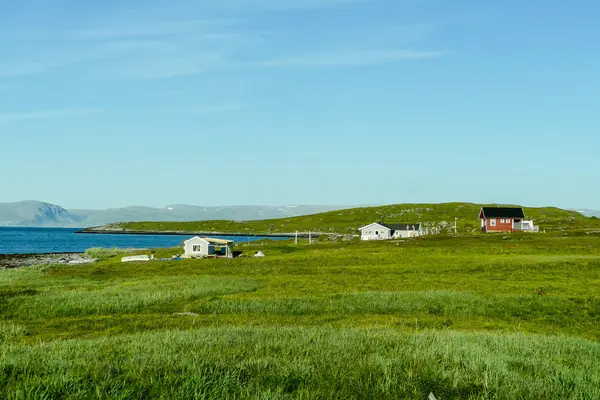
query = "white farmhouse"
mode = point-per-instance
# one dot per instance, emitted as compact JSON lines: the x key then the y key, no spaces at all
{"x":379,"y":231}
{"x":197,"y":247}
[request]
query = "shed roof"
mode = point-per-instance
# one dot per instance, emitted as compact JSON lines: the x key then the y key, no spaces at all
{"x":395,"y":227}
{"x":218,"y":241}
{"x":195,"y":238}
{"x":209,"y":240}
{"x":374,"y":223}
{"x":404,"y":227}
{"x":502,"y":212}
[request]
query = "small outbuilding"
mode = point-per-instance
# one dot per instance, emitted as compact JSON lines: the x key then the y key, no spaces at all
{"x":199,"y":247}
{"x":381,"y":231}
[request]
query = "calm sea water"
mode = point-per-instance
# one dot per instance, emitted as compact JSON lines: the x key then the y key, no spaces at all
{"x":64,"y":240}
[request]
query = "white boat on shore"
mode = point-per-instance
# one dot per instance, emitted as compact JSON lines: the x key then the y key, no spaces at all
{"x":136,"y":258}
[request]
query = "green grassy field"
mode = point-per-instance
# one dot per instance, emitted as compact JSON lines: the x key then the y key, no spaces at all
{"x":348,"y":221}
{"x":467,"y":317}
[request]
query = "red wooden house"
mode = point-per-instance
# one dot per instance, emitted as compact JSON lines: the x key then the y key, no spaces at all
{"x":505,"y":219}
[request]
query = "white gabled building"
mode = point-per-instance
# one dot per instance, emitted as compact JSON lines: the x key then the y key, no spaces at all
{"x":379,"y":231}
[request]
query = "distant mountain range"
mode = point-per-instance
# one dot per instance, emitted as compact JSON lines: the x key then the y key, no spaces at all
{"x":589,"y":213}
{"x":37,"y":213}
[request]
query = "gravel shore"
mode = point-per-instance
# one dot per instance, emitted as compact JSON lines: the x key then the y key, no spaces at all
{"x":26,"y":260}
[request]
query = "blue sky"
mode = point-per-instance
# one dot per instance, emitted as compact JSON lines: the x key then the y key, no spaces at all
{"x":113,"y":103}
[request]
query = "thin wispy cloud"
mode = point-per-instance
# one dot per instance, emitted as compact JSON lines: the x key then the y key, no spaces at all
{"x":48,"y":114}
{"x":44,"y":63}
{"x":218,"y":108}
{"x":116,"y":27}
{"x":154,"y":28}
{"x":353,"y":58}
{"x":145,"y":49}
{"x":285,"y":4}
{"x":167,"y":64}
{"x":145,"y":45}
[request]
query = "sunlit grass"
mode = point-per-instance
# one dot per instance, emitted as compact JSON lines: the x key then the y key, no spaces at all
{"x":315,"y":363}
{"x":486,"y":316}
{"x":127,"y":297}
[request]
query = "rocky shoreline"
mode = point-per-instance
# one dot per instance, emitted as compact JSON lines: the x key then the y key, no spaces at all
{"x":9,"y":261}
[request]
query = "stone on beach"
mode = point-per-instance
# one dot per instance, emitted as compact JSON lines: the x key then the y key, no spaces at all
{"x":27,"y":260}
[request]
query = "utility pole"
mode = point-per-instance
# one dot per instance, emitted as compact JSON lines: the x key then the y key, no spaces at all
{"x":309,"y":238}
{"x":296,"y":240}
{"x":455,"y":229}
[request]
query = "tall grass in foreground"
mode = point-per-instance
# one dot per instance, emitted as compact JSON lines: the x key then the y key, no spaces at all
{"x":296,"y":363}
{"x":9,"y":332}
{"x":21,"y":276}
{"x":120,"y":297}
{"x":101,"y":253}
{"x":559,"y":312}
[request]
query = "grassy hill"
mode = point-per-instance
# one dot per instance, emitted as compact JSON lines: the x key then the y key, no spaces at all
{"x":467,"y":317}
{"x":348,"y":221}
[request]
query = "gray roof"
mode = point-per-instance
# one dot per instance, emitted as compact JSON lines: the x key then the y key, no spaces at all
{"x":403,"y":227}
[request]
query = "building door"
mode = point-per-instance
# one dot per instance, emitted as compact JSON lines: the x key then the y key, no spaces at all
{"x":517,"y":225}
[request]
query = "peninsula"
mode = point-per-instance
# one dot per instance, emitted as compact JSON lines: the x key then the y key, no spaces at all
{"x":439,"y":216}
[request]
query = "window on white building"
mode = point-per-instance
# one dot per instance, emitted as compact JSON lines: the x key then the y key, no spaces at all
{"x":197,"y":248}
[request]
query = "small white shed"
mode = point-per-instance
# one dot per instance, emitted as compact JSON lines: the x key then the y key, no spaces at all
{"x":207,"y":247}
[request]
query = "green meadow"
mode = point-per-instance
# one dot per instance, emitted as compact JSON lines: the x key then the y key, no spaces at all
{"x":469,"y":316}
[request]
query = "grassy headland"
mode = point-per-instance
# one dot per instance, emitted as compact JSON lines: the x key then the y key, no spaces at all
{"x":348,"y":221}
{"x":472,"y":316}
